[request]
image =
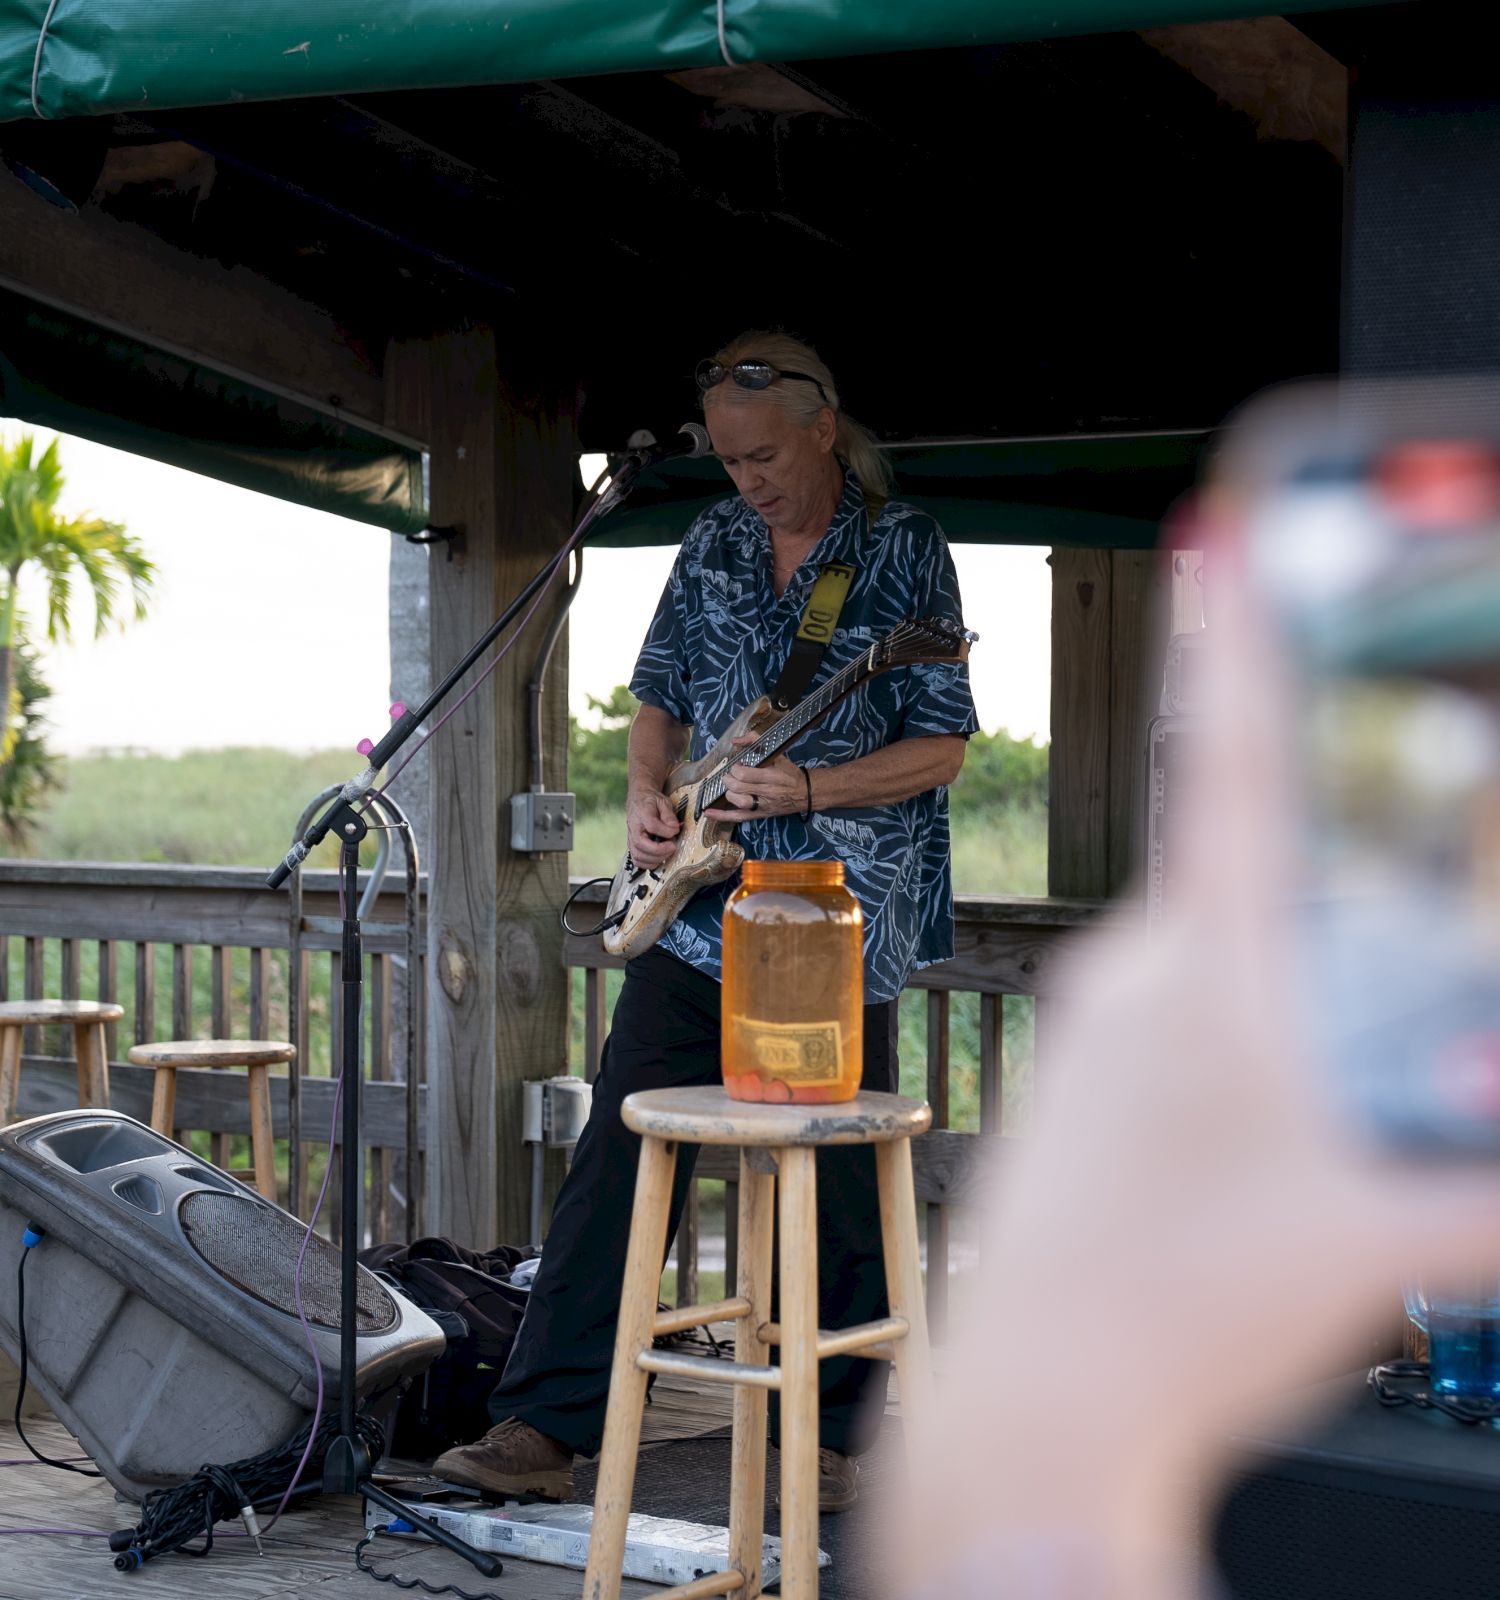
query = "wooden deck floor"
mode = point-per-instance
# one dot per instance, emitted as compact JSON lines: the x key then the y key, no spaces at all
{"x":310,"y":1553}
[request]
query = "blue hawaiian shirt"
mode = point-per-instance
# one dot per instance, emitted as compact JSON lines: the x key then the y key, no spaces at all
{"x":718,"y":641}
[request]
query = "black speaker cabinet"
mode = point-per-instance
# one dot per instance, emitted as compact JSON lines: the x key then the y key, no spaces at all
{"x":1375,"y":1504}
{"x":161,"y":1315}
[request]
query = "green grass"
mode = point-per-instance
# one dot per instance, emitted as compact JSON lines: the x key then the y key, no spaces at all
{"x":235,"y":807}
{"x":1000,"y":850}
{"x":598,"y":844}
{"x":710,"y":1287}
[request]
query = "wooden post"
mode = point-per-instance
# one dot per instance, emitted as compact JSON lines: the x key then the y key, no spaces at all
{"x":1110,"y":611}
{"x":1108,"y":642}
{"x":502,"y":459}
{"x":1139,"y":608}
{"x":1078,"y":782}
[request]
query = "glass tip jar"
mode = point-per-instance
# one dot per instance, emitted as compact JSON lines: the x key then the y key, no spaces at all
{"x":793,"y":1004}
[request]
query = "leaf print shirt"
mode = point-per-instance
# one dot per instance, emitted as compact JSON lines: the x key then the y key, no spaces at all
{"x":719,"y":640}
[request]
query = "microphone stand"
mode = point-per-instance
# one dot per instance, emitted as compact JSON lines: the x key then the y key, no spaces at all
{"x":348,"y":1465}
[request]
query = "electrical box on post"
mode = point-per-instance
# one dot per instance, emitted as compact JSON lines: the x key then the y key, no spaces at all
{"x":541,"y":822}
{"x":555,"y":1110}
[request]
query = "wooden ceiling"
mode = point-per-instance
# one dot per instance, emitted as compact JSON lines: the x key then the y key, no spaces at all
{"x":1116,"y":232}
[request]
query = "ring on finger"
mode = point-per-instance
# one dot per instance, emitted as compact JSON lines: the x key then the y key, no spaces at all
{"x":755,"y":802}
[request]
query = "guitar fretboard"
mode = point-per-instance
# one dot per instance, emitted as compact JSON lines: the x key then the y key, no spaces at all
{"x":806,"y":712}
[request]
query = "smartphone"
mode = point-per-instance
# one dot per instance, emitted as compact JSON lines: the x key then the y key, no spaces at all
{"x":1371,"y":519}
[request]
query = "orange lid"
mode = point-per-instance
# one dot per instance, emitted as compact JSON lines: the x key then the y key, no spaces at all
{"x":793,"y":874}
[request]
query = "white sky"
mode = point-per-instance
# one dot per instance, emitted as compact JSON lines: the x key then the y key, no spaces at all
{"x":268,"y":621}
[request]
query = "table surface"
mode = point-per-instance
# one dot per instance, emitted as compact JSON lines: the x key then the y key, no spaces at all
{"x":1343,"y":1424}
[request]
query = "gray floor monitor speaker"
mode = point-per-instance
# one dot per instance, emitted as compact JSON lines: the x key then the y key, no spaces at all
{"x":161,"y":1307}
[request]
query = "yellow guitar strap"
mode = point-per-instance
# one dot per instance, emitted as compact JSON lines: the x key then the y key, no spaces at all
{"x":820,"y":617}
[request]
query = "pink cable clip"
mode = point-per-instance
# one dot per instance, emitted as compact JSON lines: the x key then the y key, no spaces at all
{"x":365,"y":746}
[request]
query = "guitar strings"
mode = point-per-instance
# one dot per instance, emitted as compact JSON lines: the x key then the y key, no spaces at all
{"x":785,"y":729}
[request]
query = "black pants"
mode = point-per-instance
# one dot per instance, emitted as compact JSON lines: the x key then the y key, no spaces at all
{"x":665,"y":1034}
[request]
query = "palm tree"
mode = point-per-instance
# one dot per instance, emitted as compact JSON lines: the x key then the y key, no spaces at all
{"x":32,"y":531}
{"x":32,"y":769}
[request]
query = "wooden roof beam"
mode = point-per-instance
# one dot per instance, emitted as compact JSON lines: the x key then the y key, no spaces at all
{"x":120,"y":276}
{"x":1290,"y":87}
{"x":760,"y":86}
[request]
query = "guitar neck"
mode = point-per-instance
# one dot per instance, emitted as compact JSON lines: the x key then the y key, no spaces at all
{"x":801,"y":717}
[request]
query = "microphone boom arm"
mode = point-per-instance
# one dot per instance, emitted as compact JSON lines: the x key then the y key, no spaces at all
{"x":619,"y":484}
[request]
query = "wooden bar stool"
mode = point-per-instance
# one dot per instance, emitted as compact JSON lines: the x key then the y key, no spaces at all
{"x":774,"y":1140}
{"x":257,"y":1055}
{"x":85,"y":1017}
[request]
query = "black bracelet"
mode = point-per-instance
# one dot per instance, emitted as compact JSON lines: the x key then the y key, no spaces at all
{"x":807,"y":779}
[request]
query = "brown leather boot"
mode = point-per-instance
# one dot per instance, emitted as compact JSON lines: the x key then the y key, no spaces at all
{"x":512,"y":1458}
{"x":838,"y":1482}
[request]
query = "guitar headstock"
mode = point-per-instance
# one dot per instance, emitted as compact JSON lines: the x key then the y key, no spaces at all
{"x":925,"y":640}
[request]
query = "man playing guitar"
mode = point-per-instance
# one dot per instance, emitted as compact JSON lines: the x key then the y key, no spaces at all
{"x":868,"y":788}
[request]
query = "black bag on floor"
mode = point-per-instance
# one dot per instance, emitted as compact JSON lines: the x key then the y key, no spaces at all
{"x":464,"y":1291}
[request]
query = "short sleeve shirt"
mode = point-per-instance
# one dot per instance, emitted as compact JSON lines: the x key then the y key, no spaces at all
{"x":719,"y":640}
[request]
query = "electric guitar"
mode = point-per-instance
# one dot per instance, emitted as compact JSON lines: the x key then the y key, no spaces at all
{"x":644,"y":901}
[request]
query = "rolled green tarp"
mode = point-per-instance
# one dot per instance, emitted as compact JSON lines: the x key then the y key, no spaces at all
{"x":77,"y":58}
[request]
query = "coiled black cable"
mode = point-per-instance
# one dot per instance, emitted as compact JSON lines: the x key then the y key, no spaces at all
{"x":172,"y":1518}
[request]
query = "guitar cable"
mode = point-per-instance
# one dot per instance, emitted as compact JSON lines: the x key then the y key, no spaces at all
{"x":32,"y":1237}
{"x":602,"y":927}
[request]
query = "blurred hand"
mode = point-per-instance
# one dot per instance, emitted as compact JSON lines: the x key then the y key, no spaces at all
{"x":1190,"y":1232}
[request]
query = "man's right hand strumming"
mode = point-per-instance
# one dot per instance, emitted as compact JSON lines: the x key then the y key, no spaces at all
{"x":651,"y":827}
{"x":657,"y":743}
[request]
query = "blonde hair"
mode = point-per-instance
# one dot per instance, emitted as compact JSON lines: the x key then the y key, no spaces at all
{"x":853,"y":443}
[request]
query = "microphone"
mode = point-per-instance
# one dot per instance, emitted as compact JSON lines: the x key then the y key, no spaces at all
{"x":691,"y":443}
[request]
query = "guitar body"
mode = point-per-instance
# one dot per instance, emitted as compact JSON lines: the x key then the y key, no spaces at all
{"x":651,"y":897}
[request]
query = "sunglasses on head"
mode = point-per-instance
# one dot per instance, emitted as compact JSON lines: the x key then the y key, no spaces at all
{"x":751,"y":373}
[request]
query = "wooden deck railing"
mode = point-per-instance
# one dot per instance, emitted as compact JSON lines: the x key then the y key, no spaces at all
{"x":203,"y":951}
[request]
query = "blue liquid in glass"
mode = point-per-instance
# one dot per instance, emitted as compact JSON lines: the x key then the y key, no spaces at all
{"x":1465,"y":1352}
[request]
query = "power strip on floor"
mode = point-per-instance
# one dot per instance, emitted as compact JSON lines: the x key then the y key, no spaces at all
{"x":657,"y":1549}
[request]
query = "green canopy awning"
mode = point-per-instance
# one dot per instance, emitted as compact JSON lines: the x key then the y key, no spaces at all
{"x":131,"y":55}
{"x":1106,"y":491}
{"x":67,"y":374}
